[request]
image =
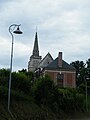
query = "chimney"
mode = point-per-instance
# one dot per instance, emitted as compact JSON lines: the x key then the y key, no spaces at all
{"x":60,"y":59}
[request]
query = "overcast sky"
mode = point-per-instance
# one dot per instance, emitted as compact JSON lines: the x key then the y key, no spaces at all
{"x":63,"y":25}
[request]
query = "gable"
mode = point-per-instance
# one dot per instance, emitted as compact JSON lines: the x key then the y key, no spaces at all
{"x":46,"y":61}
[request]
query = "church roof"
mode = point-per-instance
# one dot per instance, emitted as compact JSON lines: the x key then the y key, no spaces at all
{"x":36,"y":42}
{"x":46,"y":60}
{"x":36,"y":48}
{"x":48,"y":54}
{"x":54,"y":66}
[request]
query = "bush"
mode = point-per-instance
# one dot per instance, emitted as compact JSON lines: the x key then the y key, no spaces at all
{"x":3,"y":93}
{"x":46,"y":93}
{"x":4,"y":77}
{"x":71,"y":100}
{"x":20,"y":82}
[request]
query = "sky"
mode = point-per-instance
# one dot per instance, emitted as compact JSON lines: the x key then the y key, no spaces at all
{"x":62,"y":26}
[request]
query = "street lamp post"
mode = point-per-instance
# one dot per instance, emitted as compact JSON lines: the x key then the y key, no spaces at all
{"x":17,"y":31}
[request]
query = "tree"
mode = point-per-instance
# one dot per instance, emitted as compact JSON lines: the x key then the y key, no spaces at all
{"x":23,"y":70}
{"x":4,"y":77}
{"x":88,"y":63}
{"x":45,"y":92}
{"x":80,"y":71}
{"x":21,"y":82}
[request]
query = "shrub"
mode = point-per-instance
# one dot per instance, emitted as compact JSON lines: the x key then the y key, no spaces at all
{"x":71,"y":100}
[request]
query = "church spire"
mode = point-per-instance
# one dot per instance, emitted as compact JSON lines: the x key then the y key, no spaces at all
{"x":35,"y":59}
{"x":36,"y":49}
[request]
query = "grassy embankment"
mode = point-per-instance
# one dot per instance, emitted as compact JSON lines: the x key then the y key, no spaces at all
{"x":22,"y":109}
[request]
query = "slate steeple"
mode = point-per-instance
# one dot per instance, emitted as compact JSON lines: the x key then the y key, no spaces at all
{"x":36,"y":49}
{"x":35,"y":59}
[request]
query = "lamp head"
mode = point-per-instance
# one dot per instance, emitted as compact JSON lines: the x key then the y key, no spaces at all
{"x":17,"y":31}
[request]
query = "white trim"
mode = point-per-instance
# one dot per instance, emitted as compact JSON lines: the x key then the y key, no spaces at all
{"x":60,"y":71}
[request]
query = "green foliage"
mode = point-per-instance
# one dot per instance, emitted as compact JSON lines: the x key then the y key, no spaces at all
{"x":30,"y":75}
{"x":42,"y":91}
{"x":82,"y":88}
{"x":4,"y":77}
{"x":80,"y":71}
{"x":15,"y":95}
{"x":46,"y":93}
{"x":20,"y":82}
{"x":88,"y":63}
{"x":71,"y":100}
{"x":3,"y":93}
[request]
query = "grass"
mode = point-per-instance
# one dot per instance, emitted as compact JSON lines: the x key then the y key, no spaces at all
{"x":25,"y":110}
{"x":23,"y":107}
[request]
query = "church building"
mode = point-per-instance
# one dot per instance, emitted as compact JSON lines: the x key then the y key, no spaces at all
{"x":36,"y":60}
{"x":62,"y":73}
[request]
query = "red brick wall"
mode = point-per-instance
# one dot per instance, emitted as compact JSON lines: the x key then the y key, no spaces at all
{"x":69,"y":78}
{"x":52,"y":75}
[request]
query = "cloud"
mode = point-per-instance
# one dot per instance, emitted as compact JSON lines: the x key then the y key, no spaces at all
{"x":63,"y":25}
